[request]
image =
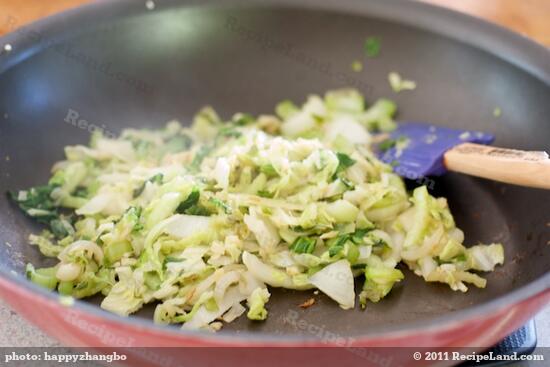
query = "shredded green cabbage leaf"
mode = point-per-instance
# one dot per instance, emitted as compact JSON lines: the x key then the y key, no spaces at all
{"x":201,"y":220}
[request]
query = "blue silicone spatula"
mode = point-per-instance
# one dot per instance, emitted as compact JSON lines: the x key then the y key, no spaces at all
{"x":417,"y":150}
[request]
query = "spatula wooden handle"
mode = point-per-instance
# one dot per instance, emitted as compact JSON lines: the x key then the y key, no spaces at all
{"x":512,"y":166}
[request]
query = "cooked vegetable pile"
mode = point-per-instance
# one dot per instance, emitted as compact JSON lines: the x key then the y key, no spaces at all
{"x":201,"y":220}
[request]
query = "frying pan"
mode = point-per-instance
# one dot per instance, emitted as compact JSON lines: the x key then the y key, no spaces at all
{"x":120,"y":64}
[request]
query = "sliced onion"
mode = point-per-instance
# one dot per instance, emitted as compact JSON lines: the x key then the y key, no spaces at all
{"x":205,"y":284}
{"x":203,"y":317}
{"x":188,"y":225}
{"x":121,"y":149}
{"x":249,"y":283}
{"x":269,"y":274}
{"x":95,"y":205}
{"x":221,"y":172}
{"x":336,"y":281}
{"x":224,"y":282}
{"x":234,"y":312}
{"x":349,"y":128}
{"x":427,"y":246}
{"x":68,"y":272}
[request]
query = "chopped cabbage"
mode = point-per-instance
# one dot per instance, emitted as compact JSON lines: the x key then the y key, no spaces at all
{"x":256,"y":303}
{"x":200,"y":219}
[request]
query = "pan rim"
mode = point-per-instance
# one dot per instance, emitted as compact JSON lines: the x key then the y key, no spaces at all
{"x":522,"y":52}
{"x":251,"y":338}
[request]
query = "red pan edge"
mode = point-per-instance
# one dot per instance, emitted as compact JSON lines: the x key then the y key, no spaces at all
{"x":77,"y":326}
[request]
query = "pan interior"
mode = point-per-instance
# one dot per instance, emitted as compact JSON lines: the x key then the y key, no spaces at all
{"x":144,"y":70}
